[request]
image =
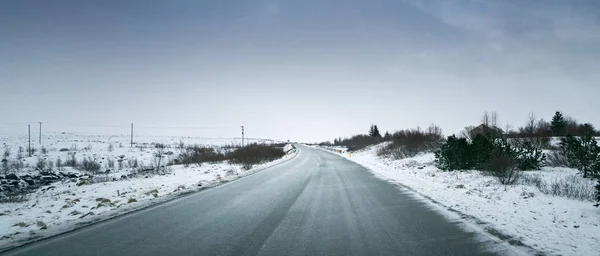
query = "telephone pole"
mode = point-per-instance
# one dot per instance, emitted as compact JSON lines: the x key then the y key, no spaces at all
{"x":40,"y":132}
{"x":242,"y":136}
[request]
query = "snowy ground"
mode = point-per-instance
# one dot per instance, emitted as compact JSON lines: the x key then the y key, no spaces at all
{"x":63,"y":205}
{"x":520,"y":214}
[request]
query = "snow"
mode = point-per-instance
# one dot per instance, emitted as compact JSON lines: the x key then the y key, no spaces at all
{"x":63,"y":205}
{"x":517,"y":213}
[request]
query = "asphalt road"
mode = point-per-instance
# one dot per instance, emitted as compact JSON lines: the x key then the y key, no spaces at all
{"x":315,"y":204}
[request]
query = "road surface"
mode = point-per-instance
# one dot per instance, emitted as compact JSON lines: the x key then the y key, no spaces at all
{"x":316,"y":204}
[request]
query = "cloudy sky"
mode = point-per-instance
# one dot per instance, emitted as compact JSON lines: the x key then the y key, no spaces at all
{"x":306,"y":70}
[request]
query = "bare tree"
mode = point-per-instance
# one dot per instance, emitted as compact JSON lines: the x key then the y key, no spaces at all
{"x":485,"y":118}
{"x":494,"y":119}
{"x":530,"y":125}
{"x":159,"y":154}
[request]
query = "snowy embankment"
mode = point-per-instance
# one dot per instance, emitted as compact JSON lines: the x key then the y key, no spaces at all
{"x":520,"y":214}
{"x":68,"y":204}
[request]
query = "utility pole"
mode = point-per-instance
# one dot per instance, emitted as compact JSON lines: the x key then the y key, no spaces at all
{"x":29,"y":131}
{"x":242,"y":136}
{"x":132,"y":135}
{"x":40,"y":133}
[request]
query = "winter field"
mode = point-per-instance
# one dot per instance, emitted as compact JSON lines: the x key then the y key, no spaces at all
{"x":549,"y":211}
{"x":43,"y":195}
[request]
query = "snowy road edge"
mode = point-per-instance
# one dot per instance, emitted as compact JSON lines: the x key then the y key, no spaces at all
{"x":149,"y":205}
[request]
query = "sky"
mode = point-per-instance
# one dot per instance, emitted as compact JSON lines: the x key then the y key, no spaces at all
{"x":303,"y":70}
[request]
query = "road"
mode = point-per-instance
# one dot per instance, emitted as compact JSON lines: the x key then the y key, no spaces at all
{"x":316,"y":204}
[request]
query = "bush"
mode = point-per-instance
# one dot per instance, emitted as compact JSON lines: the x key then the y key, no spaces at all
{"x":557,"y":159}
{"x":571,"y":187}
{"x":110,"y":162}
{"x":133,"y":163}
{"x":358,"y":142}
{"x":6,"y":152}
{"x":40,"y":164}
{"x":199,"y":155}
{"x":503,"y":167}
{"x":408,"y":143}
{"x":255,"y":154}
{"x":89,"y":165}
{"x":455,"y":154}
{"x":597,"y":194}
{"x":71,"y":161}
{"x":459,"y":154}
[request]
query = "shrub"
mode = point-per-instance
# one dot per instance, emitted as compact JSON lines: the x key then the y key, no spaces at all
{"x":89,"y":165}
{"x":132,"y":163}
{"x":40,"y":164}
{"x":557,"y":159}
{"x":71,"y":161}
{"x":358,"y":142}
{"x":503,"y":167}
{"x":44,"y":150}
{"x":255,"y":154}
{"x":14,"y":198}
{"x":199,"y":155}
{"x":6,"y":152}
{"x":597,"y":194}
{"x":110,"y":163}
{"x":408,"y":143}
{"x":455,"y":154}
{"x":17,"y":165}
{"x":111,"y":147}
{"x":572,"y":187}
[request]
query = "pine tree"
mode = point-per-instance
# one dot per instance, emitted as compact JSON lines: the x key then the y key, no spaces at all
{"x":387,"y":136}
{"x":374,"y":131}
{"x":558,"y":124}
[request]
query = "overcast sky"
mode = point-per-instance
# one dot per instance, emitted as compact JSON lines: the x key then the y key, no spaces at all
{"x":307,"y":70}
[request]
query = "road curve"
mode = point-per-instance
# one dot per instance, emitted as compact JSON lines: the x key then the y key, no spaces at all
{"x":315,"y":204}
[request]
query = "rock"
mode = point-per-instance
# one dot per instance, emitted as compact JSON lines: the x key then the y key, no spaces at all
{"x":420,"y":167}
{"x":30,"y":182}
{"x":45,"y":173}
{"x":49,"y":178}
{"x":123,"y":177}
{"x":460,"y":186}
{"x":12,"y":176}
{"x":15,"y":183}
{"x":41,"y":224}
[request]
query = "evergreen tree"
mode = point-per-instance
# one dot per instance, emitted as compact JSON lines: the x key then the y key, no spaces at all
{"x":558,"y":124}
{"x":374,"y":131}
{"x":387,"y":136}
{"x":582,"y":153}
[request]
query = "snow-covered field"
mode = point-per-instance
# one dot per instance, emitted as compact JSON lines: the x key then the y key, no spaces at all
{"x":67,"y":203}
{"x":520,"y":214}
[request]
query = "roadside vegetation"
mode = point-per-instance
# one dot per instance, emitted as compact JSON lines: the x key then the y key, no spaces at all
{"x":507,"y":154}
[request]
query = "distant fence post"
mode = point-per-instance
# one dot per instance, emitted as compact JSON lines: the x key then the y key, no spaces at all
{"x":132,"y":135}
